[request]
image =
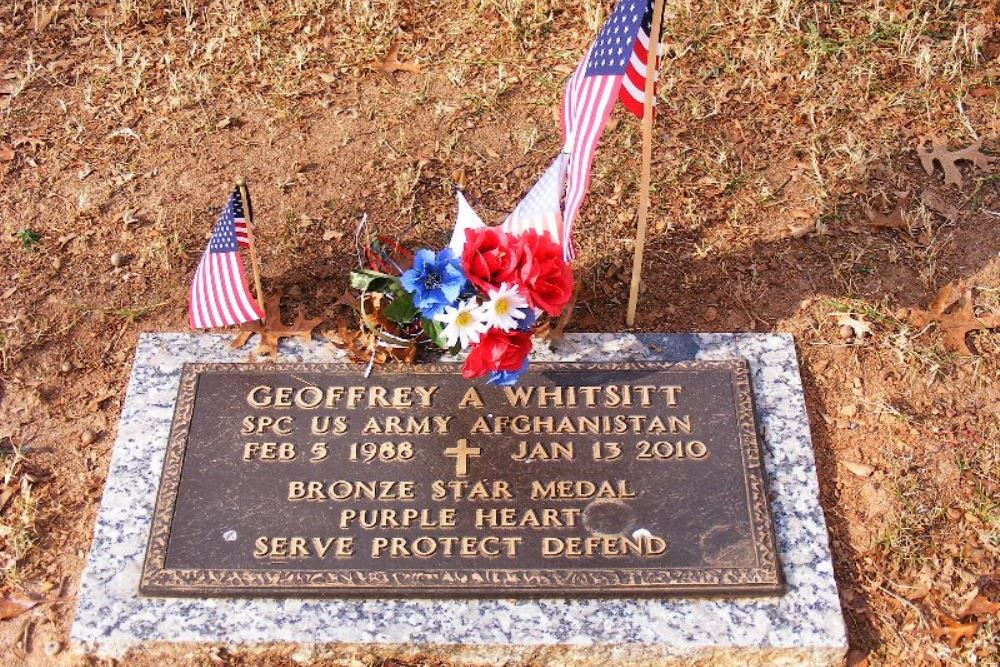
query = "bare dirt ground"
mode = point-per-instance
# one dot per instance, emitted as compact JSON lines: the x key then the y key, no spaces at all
{"x":788,"y":196}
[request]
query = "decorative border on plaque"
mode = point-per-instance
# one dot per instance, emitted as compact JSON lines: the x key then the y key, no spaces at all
{"x":765,"y":578}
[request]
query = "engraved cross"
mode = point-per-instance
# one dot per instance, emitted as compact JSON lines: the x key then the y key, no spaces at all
{"x":462,"y":453}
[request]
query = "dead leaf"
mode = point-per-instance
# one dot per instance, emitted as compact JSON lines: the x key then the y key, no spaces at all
{"x":14,"y":607}
{"x":66,"y":238}
{"x":6,"y":154}
{"x":557,"y":328}
{"x":858,"y":326}
{"x":272,"y":330}
{"x":954,"y":631}
{"x":953,"y":310}
{"x":98,"y":401}
{"x":949,"y":159}
{"x":392,"y":64}
{"x":123,"y":133}
{"x":859,"y":469}
{"x":359,"y":345}
{"x":333,"y":235}
{"x":896,"y":219}
{"x":347,"y":298}
{"x":802,"y":229}
{"x":459,"y":178}
{"x":327,"y":77}
{"x":6,"y":497}
{"x":807,"y":222}
{"x":857,"y":658}
{"x":44,"y":17}
{"x":980,"y":605}
{"x":31,"y":142}
{"x":937,"y":203}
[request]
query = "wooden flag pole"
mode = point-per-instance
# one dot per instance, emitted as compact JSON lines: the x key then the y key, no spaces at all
{"x":241,"y":183}
{"x":647,"y":159}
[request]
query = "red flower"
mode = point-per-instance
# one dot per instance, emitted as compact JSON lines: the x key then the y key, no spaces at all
{"x":490,"y":257}
{"x":544,"y":278}
{"x":498,"y":351}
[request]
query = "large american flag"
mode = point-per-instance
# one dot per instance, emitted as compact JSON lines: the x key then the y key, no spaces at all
{"x":220,"y":295}
{"x":614,"y":68}
{"x":541,"y":208}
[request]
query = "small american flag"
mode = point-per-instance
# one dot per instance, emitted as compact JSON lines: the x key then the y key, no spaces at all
{"x":220,"y":295}
{"x":614,"y":68}
{"x":239,"y":218}
{"x":540,"y":209}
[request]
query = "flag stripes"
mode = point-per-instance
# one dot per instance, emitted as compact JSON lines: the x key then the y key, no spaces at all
{"x":220,"y":295}
{"x":239,"y":218}
{"x":242,"y":237}
{"x":633,"y":91}
{"x":541,"y":209}
{"x":588,"y":116}
{"x":614,"y":68}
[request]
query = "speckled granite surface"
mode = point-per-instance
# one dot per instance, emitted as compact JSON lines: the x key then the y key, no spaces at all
{"x":804,"y":626}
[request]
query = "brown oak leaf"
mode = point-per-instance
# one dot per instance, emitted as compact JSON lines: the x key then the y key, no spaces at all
{"x":392,"y":64}
{"x":954,"y":311}
{"x":272,"y":329}
{"x":346,"y":298}
{"x":896,"y":219}
{"x":557,"y":327}
{"x":980,"y":605}
{"x":11,"y":607}
{"x":954,"y":631}
{"x":358,"y":344}
{"x":949,"y":159}
{"x":939,"y":205}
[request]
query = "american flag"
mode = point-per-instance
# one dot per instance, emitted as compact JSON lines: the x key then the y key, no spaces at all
{"x":540,"y":209}
{"x":239,"y":219}
{"x":618,"y":55}
{"x":220,"y":295}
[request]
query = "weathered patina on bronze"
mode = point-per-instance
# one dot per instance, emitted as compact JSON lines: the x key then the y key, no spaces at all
{"x":611,"y":479}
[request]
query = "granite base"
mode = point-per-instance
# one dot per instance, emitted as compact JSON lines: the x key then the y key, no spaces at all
{"x":803,"y":626}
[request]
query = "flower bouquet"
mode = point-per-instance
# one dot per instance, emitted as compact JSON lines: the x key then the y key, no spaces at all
{"x":484,"y":294}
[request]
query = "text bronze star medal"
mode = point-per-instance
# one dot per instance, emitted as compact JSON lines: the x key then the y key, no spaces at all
{"x":586,"y":479}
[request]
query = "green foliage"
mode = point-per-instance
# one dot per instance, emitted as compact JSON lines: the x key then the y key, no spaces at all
{"x":366,"y":280}
{"x":435,"y":331}
{"x":402,"y":310}
{"x":28,"y":237}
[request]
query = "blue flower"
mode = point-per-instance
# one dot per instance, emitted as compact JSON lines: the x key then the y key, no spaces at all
{"x":435,"y":281}
{"x":507,"y":378}
{"x":528,"y":323}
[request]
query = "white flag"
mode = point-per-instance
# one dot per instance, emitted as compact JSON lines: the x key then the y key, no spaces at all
{"x":467,"y":219}
{"x":540,"y":209}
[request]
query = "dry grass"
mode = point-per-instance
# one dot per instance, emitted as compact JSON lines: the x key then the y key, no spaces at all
{"x":17,"y":512}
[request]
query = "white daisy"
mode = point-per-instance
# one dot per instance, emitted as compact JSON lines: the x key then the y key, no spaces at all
{"x":505,"y":307}
{"x":463,"y":323}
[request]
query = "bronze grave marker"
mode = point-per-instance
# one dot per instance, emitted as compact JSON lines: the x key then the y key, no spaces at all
{"x":614,"y":479}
